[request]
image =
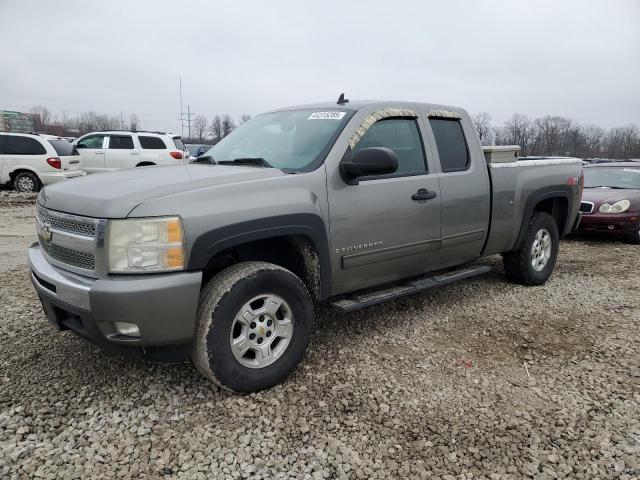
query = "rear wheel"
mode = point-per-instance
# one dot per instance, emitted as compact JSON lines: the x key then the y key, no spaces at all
{"x":26,"y":182}
{"x":254,"y":324}
{"x":533,"y":262}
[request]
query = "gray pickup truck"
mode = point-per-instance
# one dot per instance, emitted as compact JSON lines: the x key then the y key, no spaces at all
{"x":345,"y":204}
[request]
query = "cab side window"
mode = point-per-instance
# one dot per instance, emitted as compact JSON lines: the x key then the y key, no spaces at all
{"x":94,"y":141}
{"x":403,"y":137}
{"x":17,"y":145}
{"x":451,"y":143}
{"x":3,"y":140}
{"x":121,"y":142}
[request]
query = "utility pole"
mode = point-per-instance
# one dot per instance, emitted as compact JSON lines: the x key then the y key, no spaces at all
{"x":189,"y":119}
{"x":181,"y":111}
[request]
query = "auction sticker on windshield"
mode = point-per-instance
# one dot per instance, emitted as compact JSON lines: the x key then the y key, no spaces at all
{"x":326,"y":115}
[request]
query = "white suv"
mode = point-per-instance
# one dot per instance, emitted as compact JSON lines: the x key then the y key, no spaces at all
{"x":112,"y":150}
{"x":29,"y":161}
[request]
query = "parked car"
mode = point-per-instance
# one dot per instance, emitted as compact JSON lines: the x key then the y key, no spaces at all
{"x":113,"y":150}
{"x":197,"y":150}
{"x":225,"y":260}
{"x":611,"y":200}
{"x":29,"y":161}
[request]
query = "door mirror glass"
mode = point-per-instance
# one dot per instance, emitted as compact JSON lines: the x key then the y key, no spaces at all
{"x":368,"y":162}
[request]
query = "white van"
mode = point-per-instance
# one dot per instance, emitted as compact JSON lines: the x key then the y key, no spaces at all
{"x":30,"y":161}
{"x":113,"y":150}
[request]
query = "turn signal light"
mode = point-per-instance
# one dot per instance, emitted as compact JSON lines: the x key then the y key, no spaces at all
{"x":176,"y":155}
{"x":54,"y":162}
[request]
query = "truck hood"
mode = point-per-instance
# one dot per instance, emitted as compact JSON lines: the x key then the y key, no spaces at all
{"x":115,"y":194}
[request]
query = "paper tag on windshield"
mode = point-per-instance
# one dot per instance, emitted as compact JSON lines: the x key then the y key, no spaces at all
{"x":326,"y":115}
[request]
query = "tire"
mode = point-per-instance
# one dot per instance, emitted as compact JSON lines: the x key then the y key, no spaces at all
{"x":519,"y":264}
{"x":26,"y":182}
{"x":634,"y":238}
{"x":252,"y":288}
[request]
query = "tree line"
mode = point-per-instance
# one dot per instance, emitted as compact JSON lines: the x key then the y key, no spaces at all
{"x":202,"y":130}
{"x":205,"y":131}
{"x":559,"y":136}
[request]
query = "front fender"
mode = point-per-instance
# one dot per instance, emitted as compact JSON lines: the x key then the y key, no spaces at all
{"x":208,"y":244}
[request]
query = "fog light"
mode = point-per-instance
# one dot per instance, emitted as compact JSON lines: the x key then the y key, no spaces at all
{"x":127,"y":329}
{"x":611,"y":227}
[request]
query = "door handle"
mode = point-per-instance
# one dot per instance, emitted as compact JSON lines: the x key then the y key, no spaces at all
{"x":99,"y":152}
{"x":423,"y":194}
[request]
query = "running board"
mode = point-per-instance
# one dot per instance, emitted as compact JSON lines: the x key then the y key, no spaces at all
{"x":407,"y":288}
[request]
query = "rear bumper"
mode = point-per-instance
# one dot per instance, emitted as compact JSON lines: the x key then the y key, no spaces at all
{"x":614,"y":223}
{"x":162,"y":306}
{"x":52,"y":177}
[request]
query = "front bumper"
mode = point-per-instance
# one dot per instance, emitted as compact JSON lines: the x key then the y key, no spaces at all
{"x":162,"y":306}
{"x":614,"y":223}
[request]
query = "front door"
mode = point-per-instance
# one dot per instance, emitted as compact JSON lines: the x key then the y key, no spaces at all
{"x":121,"y":153}
{"x":91,"y":150}
{"x":387,"y":227}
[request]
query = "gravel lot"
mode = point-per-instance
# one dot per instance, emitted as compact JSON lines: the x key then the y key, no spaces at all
{"x":431,"y":386}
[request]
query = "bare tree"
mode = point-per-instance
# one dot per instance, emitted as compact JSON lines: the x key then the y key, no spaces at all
{"x":244,"y":118}
{"x":41,"y":118}
{"x":516,"y":131}
{"x":200,"y":125}
{"x":482,"y":122}
{"x":227,"y":125}
{"x":134,"y":122}
{"x":216,"y":128}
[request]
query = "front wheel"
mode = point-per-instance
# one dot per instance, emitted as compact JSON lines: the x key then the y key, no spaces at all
{"x":634,"y":238}
{"x":254,"y":324}
{"x":533,"y":262}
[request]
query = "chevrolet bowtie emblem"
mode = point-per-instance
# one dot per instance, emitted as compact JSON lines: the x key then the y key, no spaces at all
{"x":45,"y":233}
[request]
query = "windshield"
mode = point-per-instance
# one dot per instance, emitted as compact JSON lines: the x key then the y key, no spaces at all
{"x":616,"y":177}
{"x":295,"y":140}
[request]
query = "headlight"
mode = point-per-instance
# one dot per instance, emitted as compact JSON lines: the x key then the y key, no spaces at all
{"x":618,"y":207}
{"x":145,"y":245}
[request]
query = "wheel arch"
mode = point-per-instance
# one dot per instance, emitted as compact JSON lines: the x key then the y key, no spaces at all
{"x":298,"y":242}
{"x":23,"y":169}
{"x":556,"y":201}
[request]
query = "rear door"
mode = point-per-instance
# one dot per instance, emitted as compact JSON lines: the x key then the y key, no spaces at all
{"x":465,"y":191}
{"x":387,"y":227}
{"x":121,"y":152}
{"x":181,"y":147}
{"x":22,"y":151}
{"x":91,"y":149}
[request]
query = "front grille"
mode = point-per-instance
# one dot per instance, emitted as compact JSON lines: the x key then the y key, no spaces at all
{"x":68,"y":256}
{"x":75,"y":225}
{"x":586,"y":207}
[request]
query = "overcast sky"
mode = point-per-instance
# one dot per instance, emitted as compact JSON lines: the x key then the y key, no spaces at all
{"x":577,"y":58}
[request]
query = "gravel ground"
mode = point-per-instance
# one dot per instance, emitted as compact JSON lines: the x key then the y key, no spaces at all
{"x":431,"y":386}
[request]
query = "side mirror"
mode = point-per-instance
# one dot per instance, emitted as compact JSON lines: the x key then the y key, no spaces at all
{"x":367,"y":162}
{"x":204,"y":160}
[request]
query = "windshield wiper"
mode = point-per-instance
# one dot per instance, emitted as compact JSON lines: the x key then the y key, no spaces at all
{"x":257,"y":161}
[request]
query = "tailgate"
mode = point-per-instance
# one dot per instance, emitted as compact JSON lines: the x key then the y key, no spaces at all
{"x":70,"y":163}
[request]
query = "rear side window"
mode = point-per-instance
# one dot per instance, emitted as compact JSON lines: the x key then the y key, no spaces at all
{"x":24,"y":146}
{"x":451,"y":143}
{"x":400,"y":135}
{"x":152,"y":143}
{"x":62,"y":147}
{"x":120,"y":142}
{"x":3,"y":140}
{"x":178,"y":143}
